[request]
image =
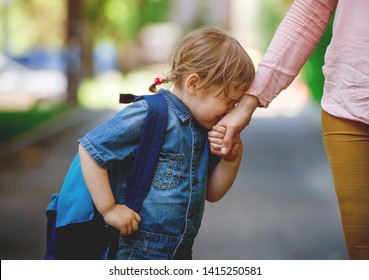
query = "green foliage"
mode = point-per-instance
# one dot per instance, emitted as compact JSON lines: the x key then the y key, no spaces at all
{"x":33,"y":23}
{"x":111,"y":19}
{"x":121,"y":20}
{"x":154,"y":11}
{"x":271,"y":14}
{"x":312,"y":70}
{"x":39,"y":23}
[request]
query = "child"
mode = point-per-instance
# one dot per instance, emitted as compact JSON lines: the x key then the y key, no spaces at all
{"x":210,"y":72}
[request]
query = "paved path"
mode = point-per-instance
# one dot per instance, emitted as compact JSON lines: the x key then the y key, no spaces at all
{"x":282,"y":205}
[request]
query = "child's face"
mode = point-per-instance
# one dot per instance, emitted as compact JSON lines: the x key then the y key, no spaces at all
{"x":209,"y":106}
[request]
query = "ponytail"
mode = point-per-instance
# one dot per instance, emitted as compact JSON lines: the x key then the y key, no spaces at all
{"x":157,"y":82}
{"x":129,"y":98}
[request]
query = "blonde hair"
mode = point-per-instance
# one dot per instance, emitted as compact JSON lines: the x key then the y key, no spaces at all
{"x":215,"y":56}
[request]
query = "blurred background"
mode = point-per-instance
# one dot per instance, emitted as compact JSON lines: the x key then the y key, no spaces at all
{"x":63,"y":64}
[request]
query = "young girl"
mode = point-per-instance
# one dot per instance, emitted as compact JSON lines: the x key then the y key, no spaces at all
{"x":210,"y":71}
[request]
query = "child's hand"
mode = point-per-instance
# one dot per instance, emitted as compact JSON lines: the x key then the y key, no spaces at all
{"x":122,"y":218}
{"x":216,"y":137}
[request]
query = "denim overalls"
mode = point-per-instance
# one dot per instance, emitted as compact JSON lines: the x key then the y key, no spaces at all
{"x":172,"y":211}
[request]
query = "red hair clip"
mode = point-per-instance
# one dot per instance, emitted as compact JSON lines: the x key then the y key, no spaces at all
{"x":158,"y":81}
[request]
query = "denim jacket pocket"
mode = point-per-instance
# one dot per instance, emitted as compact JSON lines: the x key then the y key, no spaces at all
{"x":168,"y":171}
{"x":144,"y":245}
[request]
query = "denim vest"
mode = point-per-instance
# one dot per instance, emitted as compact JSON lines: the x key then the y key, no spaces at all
{"x":172,"y":211}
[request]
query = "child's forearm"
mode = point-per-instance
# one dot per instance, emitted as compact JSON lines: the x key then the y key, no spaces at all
{"x":222,"y":178}
{"x":97,"y":181}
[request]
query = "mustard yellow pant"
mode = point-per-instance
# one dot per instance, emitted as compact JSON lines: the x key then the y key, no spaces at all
{"x":347,"y":147}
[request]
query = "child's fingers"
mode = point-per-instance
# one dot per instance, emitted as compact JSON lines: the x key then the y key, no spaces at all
{"x":134,"y":225}
{"x":216,"y":150}
{"x":137,"y":217}
{"x":215,"y":146}
{"x":125,"y":230}
{"x":215,"y":141}
{"x":219,"y":128}
{"x":215,"y":134}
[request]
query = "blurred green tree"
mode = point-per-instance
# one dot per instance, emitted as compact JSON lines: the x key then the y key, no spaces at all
{"x":119,"y":21}
{"x":30,"y":24}
{"x":77,"y":26}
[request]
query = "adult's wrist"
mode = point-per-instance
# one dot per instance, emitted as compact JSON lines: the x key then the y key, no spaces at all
{"x":247,"y":105}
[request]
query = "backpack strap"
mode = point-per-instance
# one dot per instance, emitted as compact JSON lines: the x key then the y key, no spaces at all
{"x":145,"y":160}
{"x":147,"y":154}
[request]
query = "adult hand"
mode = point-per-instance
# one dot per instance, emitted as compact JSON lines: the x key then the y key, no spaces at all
{"x":236,"y":120}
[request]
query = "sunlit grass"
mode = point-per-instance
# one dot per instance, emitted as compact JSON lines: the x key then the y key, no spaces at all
{"x":103,"y":91}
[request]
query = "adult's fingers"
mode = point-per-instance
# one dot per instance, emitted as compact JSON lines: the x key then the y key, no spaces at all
{"x":232,"y":155}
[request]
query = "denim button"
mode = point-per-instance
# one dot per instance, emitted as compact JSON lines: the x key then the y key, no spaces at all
{"x":194,"y":181}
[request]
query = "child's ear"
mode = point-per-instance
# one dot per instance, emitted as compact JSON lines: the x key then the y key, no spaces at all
{"x":192,"y":82}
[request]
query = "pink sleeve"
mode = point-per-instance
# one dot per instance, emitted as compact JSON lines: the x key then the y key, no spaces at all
{"x":294,"y":41}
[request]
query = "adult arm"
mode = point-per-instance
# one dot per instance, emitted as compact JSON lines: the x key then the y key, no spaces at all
{"x":294,"y":41}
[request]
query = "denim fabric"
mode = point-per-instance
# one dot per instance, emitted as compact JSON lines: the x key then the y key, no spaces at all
{"x":172,"y":211}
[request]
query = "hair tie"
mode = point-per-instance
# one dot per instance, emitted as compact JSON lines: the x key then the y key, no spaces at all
{"x":157,"y":82}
